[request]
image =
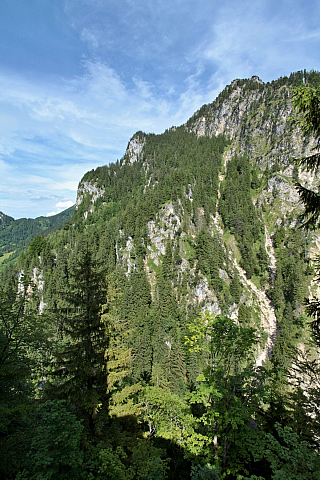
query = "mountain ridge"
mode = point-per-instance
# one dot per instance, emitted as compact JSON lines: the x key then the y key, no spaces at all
{"x":16,"y":234}
{"x":168,"y":313}
{"x":256,"y":119}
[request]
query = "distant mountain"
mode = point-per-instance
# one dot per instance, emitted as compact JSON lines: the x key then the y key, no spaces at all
{"x":5,"y":220}
{"x":16,"y":234}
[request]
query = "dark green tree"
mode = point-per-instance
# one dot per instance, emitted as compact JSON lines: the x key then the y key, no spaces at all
{"x":21,"y":343}
{"x":79,"y":372}
{"x":306,"y":100}
{"x":55,"y":446}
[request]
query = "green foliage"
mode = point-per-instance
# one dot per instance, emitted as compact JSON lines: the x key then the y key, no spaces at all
{"x":289,"y":457}
{"x":104,"y":383}
{"x":78,"y":362}
{"x":235,"y":287}
{"x":21,"y":340}
{"x":5,"y":220}
{"x":289,"y":291}
{"x":306,"y":100}
{"x":37,"y":245}
{"x":169,"y":417}
{"x":55,"y":447}
{"x":211,"y":256}
{"x":16,"y":234}
{"x":206,"y":472}
{"x":228,"y":388}
{"x":140,"y":460}
{"x":138,"y":309}
{"x":177,"y":160}
{"x":239,"y":214}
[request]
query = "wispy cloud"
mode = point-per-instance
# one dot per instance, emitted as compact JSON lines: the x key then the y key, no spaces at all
{"x":255,"y":38}
{"x":60,"y":206}
{"x":90,"y":37}
{"x":126,"y":66}
{"x":60,"y":132}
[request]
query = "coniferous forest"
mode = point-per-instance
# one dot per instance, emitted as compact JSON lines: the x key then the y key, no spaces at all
{"x":169,"y":329}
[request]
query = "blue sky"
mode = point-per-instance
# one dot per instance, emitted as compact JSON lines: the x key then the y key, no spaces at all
{"x":79,"y":77}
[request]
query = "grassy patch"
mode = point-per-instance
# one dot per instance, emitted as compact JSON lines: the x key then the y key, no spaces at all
{"x":151,"y":265}
{"x":5,"y":256}
{"x":231,"y":243}
{"x":256,"y":280}
{"x":188,"y":252}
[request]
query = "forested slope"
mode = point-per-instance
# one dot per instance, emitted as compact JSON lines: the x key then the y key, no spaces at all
{"x":171,"y":309}
{"x":16,"y":234}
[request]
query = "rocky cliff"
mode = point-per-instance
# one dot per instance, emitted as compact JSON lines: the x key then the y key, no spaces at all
{"x":256,"y":120}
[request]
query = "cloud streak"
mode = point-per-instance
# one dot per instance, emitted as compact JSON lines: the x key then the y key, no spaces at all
{"x":127,"y":66}
{"x":62,"y":132}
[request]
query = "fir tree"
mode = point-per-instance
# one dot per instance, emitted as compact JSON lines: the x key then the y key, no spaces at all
{"x":79,"y":361}
{"x":306,"y":100}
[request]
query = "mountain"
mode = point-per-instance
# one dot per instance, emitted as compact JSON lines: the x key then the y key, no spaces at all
{"x":16,"y":234}
{"x":172,"y":304}
{"x":214,"y":198}
{"x":5,"y":219}
{"x":212,"y":205}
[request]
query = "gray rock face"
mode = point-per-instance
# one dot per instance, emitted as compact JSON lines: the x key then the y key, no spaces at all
{"x":206,"y":297}
{"x":257,"y":119}
{"x":135,"y":147}
{"x":87,"y":188}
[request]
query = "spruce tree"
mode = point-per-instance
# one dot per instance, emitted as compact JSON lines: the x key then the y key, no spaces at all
{"x":306,"y":100}
{"x":79,"y":363}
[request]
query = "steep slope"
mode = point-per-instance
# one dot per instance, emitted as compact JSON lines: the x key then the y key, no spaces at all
{"x":176,"y":183}
{"x":5,"y":220}
{"x":16,"y":234}
{"x":149,"y":314}
{"x":199,"y":218}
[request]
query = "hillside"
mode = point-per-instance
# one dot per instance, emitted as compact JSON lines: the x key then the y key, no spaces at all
{"x":226,"y":179}
{"x":15,"y":235}
{"x":173,"y":300}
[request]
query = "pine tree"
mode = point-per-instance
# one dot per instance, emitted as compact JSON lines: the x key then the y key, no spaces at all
{"x":169,"y":369}
{"x":79,"y":363}
{"x":140,"y":301}
{"x":306,"y":100}
{"x":21,"y":339}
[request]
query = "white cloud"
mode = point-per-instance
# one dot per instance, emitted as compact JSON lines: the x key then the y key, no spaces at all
{"x":255,"y":38}
{"x":89,"y":37}
{"x":50,"y":214}
{"x":66,"y":204}
{"x":60,"y":207}
{"x":167,"y":61}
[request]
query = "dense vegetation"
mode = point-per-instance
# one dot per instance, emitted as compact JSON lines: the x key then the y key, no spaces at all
{"x":110,"y":369}
{"x":16,"y":234}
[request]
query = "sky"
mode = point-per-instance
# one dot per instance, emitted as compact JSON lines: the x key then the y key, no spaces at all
{"x":79,"y":77}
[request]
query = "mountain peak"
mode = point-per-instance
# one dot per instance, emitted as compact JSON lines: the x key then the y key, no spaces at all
{"x":5,"y":219}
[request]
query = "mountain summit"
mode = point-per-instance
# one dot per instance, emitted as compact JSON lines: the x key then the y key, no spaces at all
{"x":181,"y":274}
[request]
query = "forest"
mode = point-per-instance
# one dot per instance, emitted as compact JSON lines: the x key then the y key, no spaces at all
{"x":15,"y":235}
{"x":110,"y":368}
